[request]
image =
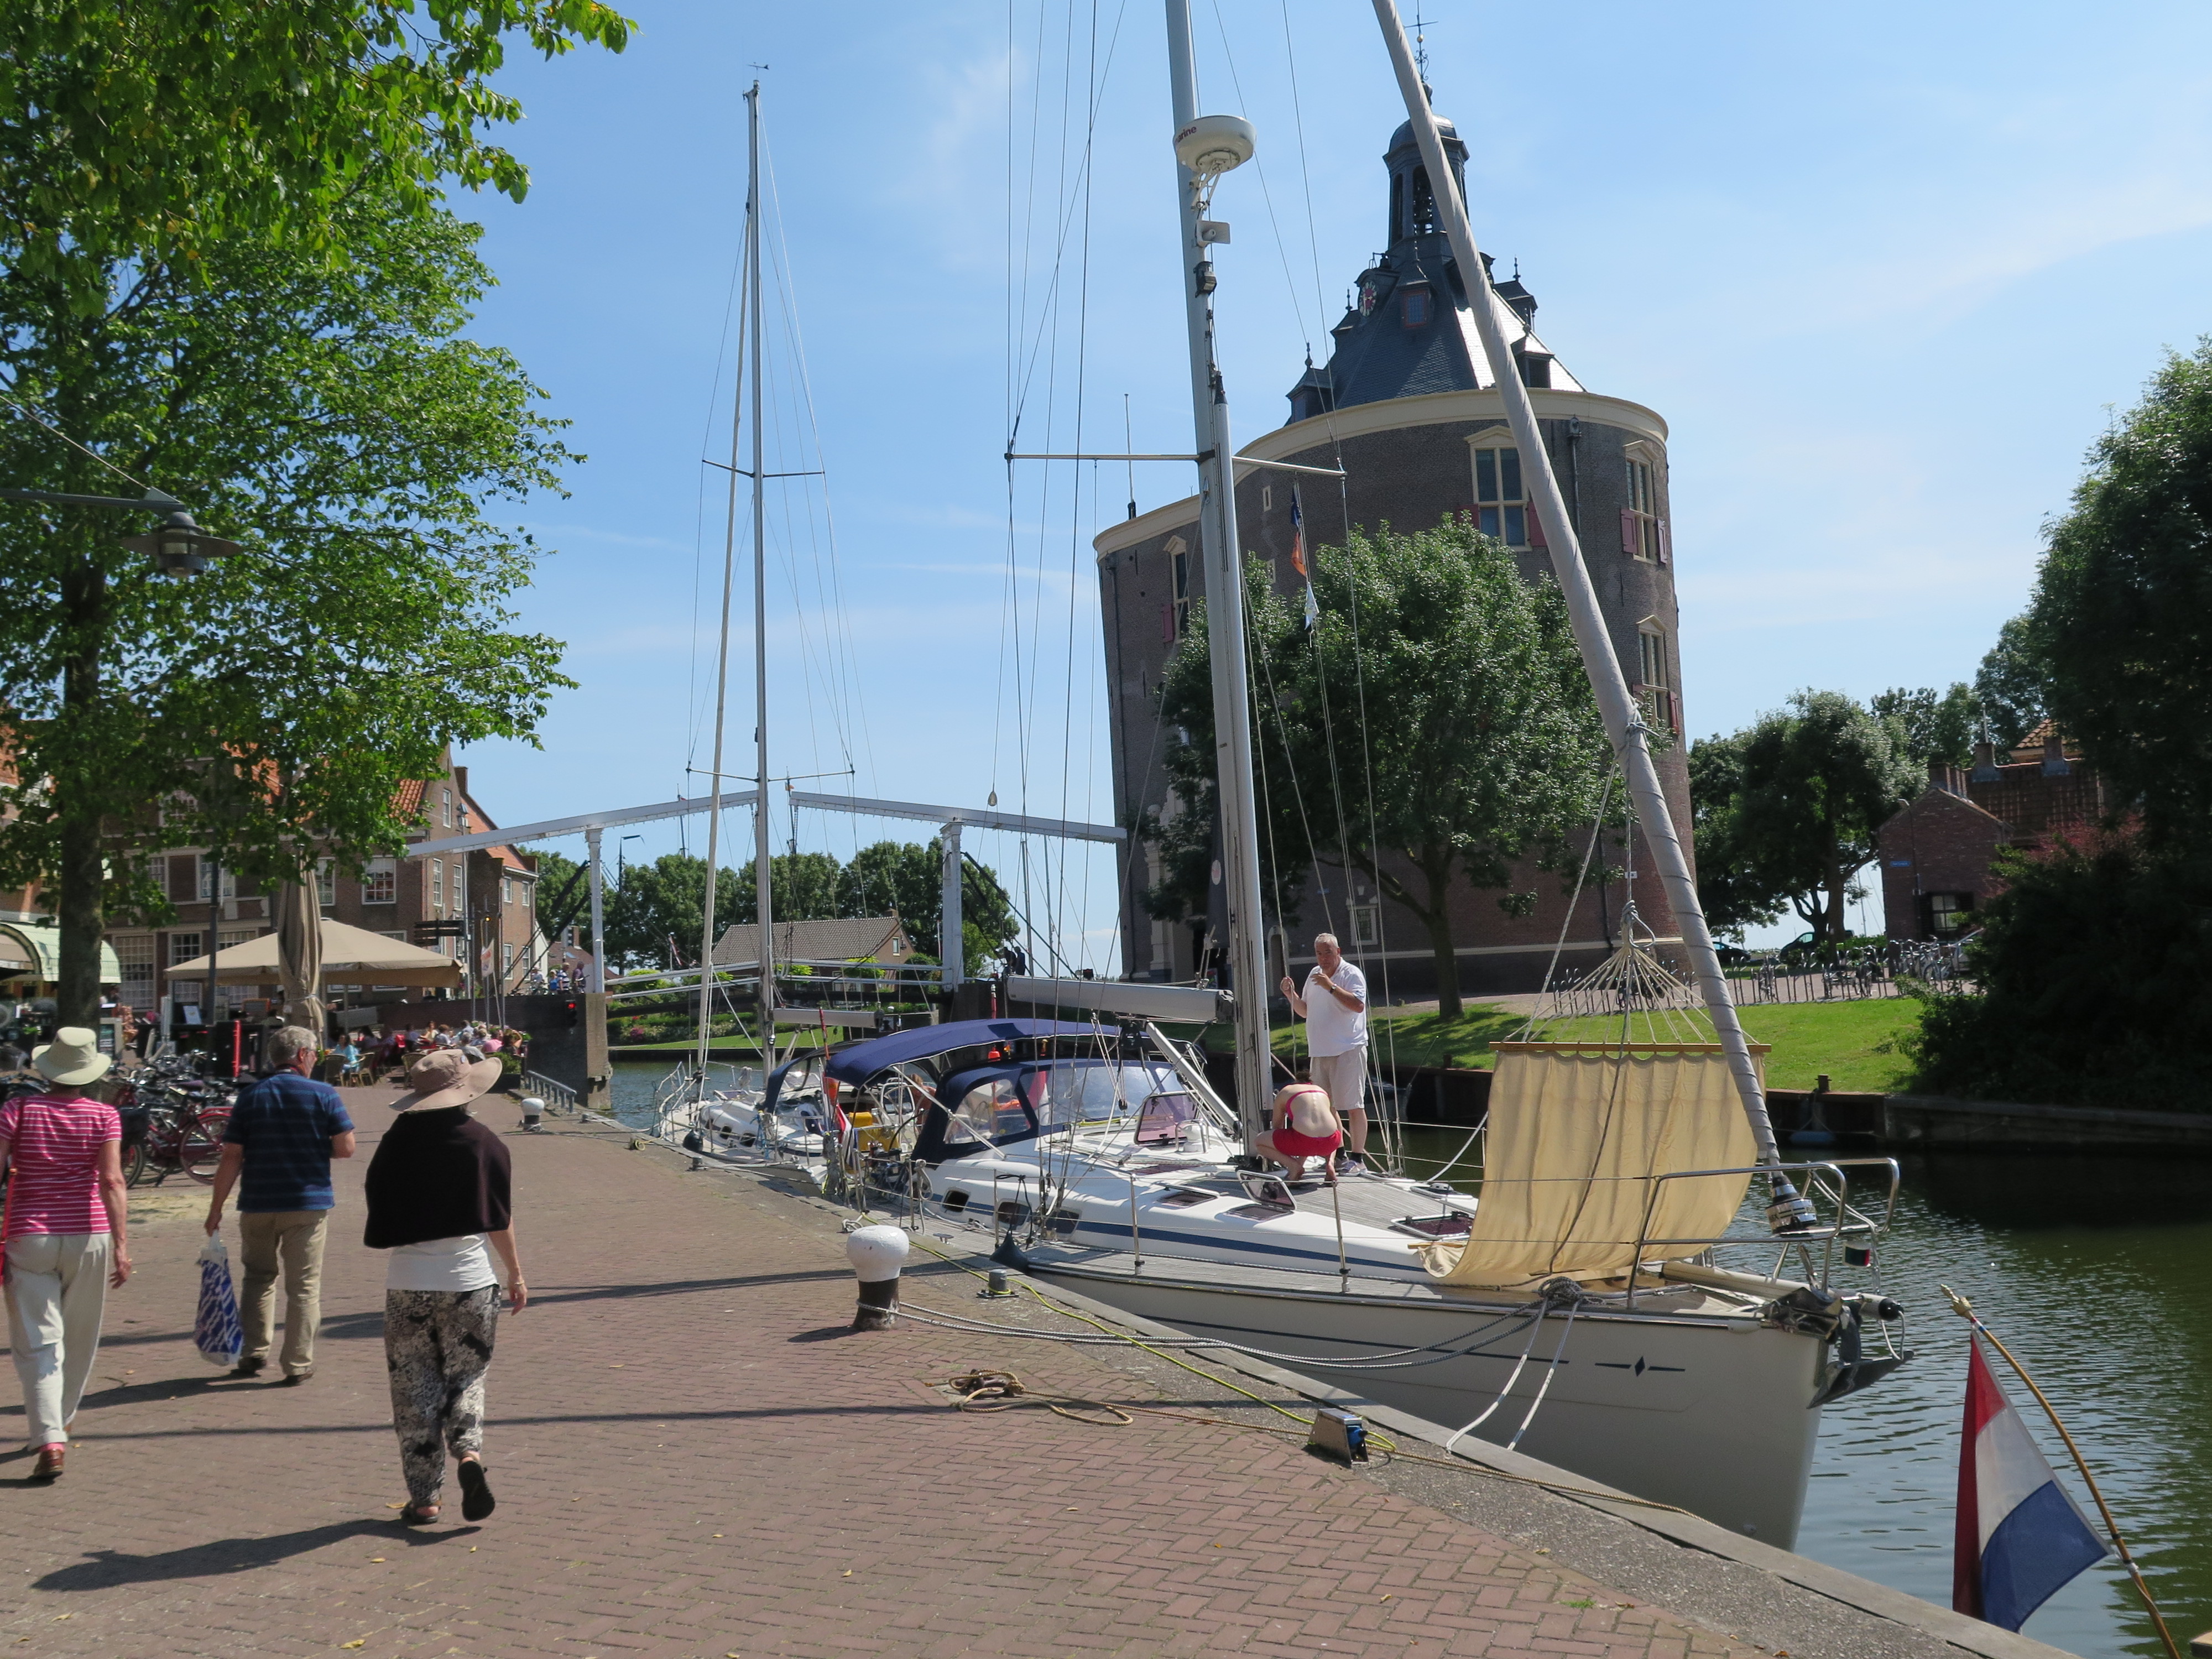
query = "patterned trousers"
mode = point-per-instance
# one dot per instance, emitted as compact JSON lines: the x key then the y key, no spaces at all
{"x":437,"y":1346}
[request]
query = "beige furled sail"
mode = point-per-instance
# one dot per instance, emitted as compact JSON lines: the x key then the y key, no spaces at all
{"x":1578,"y":1132}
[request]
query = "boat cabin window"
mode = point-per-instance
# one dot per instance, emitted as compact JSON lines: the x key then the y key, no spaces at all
{"x":1165,"y":1120}
{"x":990,"y":1112}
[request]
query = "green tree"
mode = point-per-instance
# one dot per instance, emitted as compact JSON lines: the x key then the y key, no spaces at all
{"x":1814,"y":783}
{"x":141,"y":138}
{"x":2010,"y":684}
{"x":801,"y":886}
{"x":653,"y":914}
{"x":1734,"y":899}
{"x":907,"y":877}
{"x":1927,"y":724}
{"x":1451,"y":739}
{"x":327,"y":411}
{"x":2120,"y":621}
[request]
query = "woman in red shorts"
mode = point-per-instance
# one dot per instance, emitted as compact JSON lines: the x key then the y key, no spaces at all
{"x":1306,"y":1127}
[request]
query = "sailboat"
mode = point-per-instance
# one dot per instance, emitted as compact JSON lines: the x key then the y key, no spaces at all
{"x":1595,"y":1305}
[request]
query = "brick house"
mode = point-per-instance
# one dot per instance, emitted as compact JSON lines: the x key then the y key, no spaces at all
{"x":1407,"y":406}
{"x":1936,"y":853}
{"x":492,"y":891}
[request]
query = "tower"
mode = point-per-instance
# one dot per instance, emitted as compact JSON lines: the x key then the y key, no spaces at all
{"x":1406,"y":406}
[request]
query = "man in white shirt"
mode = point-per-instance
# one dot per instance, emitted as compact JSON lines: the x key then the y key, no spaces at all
{"x":1334,"y":1009}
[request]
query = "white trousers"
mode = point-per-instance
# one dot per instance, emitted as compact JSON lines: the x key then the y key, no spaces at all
{"x":57,"y":1292}
{"x":1345,"y":1077}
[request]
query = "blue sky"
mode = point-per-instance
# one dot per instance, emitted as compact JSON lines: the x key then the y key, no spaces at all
{"x":1886,"y":272}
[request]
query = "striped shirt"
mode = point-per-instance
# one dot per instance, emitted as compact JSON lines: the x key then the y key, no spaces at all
{"x":54,"y":1153}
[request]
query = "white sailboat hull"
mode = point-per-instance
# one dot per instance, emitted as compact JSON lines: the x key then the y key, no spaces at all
{"x":1709,"y":1412}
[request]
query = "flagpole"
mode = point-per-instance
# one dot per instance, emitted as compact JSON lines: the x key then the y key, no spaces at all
{"x":1965,"y":1309}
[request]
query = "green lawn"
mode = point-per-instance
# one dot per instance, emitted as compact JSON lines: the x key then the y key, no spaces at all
{"x":1839,"y":1038}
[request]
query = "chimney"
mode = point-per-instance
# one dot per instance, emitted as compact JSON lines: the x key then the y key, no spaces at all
{"x":1985,"y":762}
{"x":1947,"y":777}
{"x":2055,"y":764}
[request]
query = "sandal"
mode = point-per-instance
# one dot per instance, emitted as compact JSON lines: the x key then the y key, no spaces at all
{"x":418,"y":1514}
{"x":477,"y":1501}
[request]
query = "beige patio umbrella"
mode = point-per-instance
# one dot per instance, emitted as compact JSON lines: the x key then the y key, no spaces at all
{"x":300,"y":955}
{"x":349,"y":953}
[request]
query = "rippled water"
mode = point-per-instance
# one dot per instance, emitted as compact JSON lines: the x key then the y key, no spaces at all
{"x":2092,"y":1269}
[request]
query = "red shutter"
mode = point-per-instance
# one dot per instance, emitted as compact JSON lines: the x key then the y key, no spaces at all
{"x":1536,"y":530}
{"x":1675,"y":712}
{"x":1629,"y":543}
{"x":1167,"y":624}
{"x":1666,"y":544}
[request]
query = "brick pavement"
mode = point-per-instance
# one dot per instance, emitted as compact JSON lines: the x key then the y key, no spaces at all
{"x":693,"y":1457}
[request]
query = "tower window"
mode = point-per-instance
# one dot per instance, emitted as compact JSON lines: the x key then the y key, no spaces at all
{"x":1643,"y":531}
{"x":1655,"y":692}
{"x":1417,"y":308}
{"x":1501,"y":507}
{"x":1179,"y":566}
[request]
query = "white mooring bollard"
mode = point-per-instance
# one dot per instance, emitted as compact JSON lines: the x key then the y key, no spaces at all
{"x":877,"y":1255}
{"x":533,"y":1113}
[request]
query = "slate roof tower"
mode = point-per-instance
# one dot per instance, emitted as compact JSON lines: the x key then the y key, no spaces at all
{"x":1405,"y":405}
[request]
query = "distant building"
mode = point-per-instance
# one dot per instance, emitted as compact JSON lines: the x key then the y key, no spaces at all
{"x":1407,"y":406}
{"x":1937,"y":852}
{"x":831,"y":939}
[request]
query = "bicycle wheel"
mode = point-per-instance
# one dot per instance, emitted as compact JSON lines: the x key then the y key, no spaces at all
{"x":133,"y":1163}
{"x":199,"y":1146}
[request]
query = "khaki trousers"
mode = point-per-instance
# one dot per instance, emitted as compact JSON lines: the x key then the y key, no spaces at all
{"x":1345,"y":1077}
{"x":291,"y":1239}
{"x":57,"y":1291}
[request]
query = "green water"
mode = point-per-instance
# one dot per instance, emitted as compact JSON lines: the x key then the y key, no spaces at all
{"x":2091,"y":1270}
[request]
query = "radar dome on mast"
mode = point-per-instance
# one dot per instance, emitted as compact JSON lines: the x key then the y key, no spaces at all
{"x":1211,"y":145}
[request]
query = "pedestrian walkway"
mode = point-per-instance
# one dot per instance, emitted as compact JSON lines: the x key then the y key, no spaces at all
{"x":693,"y":1457}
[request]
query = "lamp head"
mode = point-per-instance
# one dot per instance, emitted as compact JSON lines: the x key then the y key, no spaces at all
{"x":180,"y":547}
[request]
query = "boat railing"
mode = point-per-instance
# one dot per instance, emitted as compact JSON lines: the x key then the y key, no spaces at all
{"x":1823,"y":1181}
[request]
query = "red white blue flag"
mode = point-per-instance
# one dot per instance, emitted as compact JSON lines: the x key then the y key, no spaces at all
{"x":2019,"y":1537}
{"x":1298,"y":533}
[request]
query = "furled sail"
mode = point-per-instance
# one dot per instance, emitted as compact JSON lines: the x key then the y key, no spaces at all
{"x":1578,"y":1133}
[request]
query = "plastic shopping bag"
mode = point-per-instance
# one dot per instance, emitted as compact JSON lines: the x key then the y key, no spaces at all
{"x":215,"y":1330}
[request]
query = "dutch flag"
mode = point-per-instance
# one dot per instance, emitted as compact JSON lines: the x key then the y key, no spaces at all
{"x":2020,"y":1535}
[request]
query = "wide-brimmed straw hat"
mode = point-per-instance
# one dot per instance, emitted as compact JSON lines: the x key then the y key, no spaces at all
{"x":72,"y":1059}
{"x":446,"y":1077}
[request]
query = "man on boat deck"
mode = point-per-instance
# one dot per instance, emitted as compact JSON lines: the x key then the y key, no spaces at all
{"x":1334,"y":1009}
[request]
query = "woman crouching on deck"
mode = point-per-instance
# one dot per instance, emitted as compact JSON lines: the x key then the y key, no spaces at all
{"x":440,"y":1200}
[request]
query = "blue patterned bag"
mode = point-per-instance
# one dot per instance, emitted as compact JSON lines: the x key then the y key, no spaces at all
{"x":215,"y":1330}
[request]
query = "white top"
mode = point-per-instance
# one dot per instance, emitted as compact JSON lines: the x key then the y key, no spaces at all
{"x":1332,"y":1028}
{"x":442,"y":1264}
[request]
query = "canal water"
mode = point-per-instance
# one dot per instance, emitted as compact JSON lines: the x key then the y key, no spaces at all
{"x":2092,"y":1269}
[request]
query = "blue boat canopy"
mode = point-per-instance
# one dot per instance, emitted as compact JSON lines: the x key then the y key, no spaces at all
{"x":864,"y":1060}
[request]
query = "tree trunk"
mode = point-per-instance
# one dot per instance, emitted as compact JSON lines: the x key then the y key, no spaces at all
{"x":1838,"y":879}
{"x":81,"y":896}
{"x":1448,"y":1006}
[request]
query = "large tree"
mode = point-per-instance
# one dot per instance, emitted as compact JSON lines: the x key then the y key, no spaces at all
{"x":2121,"y":624}
{"x":145,"y":136}
{"x":325,"y":409}
{"x":1927,"y":724}
{"x":1814,"y":782}
{"x":1734,"y":895}
{"x":1432,"y":729}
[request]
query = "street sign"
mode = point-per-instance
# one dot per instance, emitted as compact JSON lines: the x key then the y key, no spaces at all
{"x":427,"y":931}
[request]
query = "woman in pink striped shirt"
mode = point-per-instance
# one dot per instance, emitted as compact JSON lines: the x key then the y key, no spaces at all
{"x":65,"y":1233}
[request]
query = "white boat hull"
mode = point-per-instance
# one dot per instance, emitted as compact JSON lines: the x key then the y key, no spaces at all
{"x":1711,"y":1414}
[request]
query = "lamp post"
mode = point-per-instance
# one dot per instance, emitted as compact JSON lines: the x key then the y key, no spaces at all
{"x":178,"y":548}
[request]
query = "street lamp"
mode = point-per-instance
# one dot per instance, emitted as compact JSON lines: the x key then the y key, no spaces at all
{"x":178,"y":548}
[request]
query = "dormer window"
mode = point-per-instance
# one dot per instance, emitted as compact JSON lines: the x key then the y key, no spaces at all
{"x":1416,"y":304}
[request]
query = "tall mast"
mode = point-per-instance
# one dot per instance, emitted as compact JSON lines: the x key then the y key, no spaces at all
{"x":722,"y":704}
{"x":1224,"y":619}
{"x":1624,"y":722}
{"x":766,"y":953}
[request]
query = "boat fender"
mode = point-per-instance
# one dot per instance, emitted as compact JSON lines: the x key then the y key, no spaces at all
{"x":877,"y":1255}
{"x":1010,"y":1254}
{"x":692,"y":1143}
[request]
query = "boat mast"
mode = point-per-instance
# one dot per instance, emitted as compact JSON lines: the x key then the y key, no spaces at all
{"x":1224,"y":618}
{"x":765,"y":952}
{"x":1624,"y":722}
{"x":721,"y":702}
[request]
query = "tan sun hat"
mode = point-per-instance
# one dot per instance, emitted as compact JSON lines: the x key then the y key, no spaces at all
{"x":72,"y":1059}
{"x":446,"y":1077}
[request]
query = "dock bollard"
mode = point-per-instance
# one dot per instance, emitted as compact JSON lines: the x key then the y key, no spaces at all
{"x":533,"y":1113}
{"x":877,"y":1253}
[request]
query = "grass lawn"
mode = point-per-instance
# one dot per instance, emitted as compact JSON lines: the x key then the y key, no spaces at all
{"x":1839,"y":1038}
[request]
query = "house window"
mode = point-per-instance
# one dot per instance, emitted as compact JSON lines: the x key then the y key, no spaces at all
{"x":183,"y":947}
{"x":506,"y":952}
{"x":135,"y":953}
{"x":446,"y":808}
{"x":1950,"y":914}
{"x":326,"y":883}
{"x":1416,"y":304}
{"x":1179,"y":563}
{"x":207,"y":882}
{"x":1366,"y":926}
{"x":507,"y":892}
{"x":1267,"y":504}
{"x":438,"y":886}
{"x":379,"y":883}
{"x":1501,"y":505}
{"x":1643,"y":531}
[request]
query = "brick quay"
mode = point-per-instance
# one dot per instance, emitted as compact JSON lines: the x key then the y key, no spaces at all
{"x":693,"y":1457}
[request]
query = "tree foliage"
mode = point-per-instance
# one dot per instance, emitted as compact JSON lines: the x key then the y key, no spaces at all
{"x":1433,"y":728}
{"x":2010,"y":687}
{"x":1806,"y":788}
{"x":1927,"y":724}
{"x":326,"y":411}
{"x":2121,"y":624}
{"x":167,"y":136}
